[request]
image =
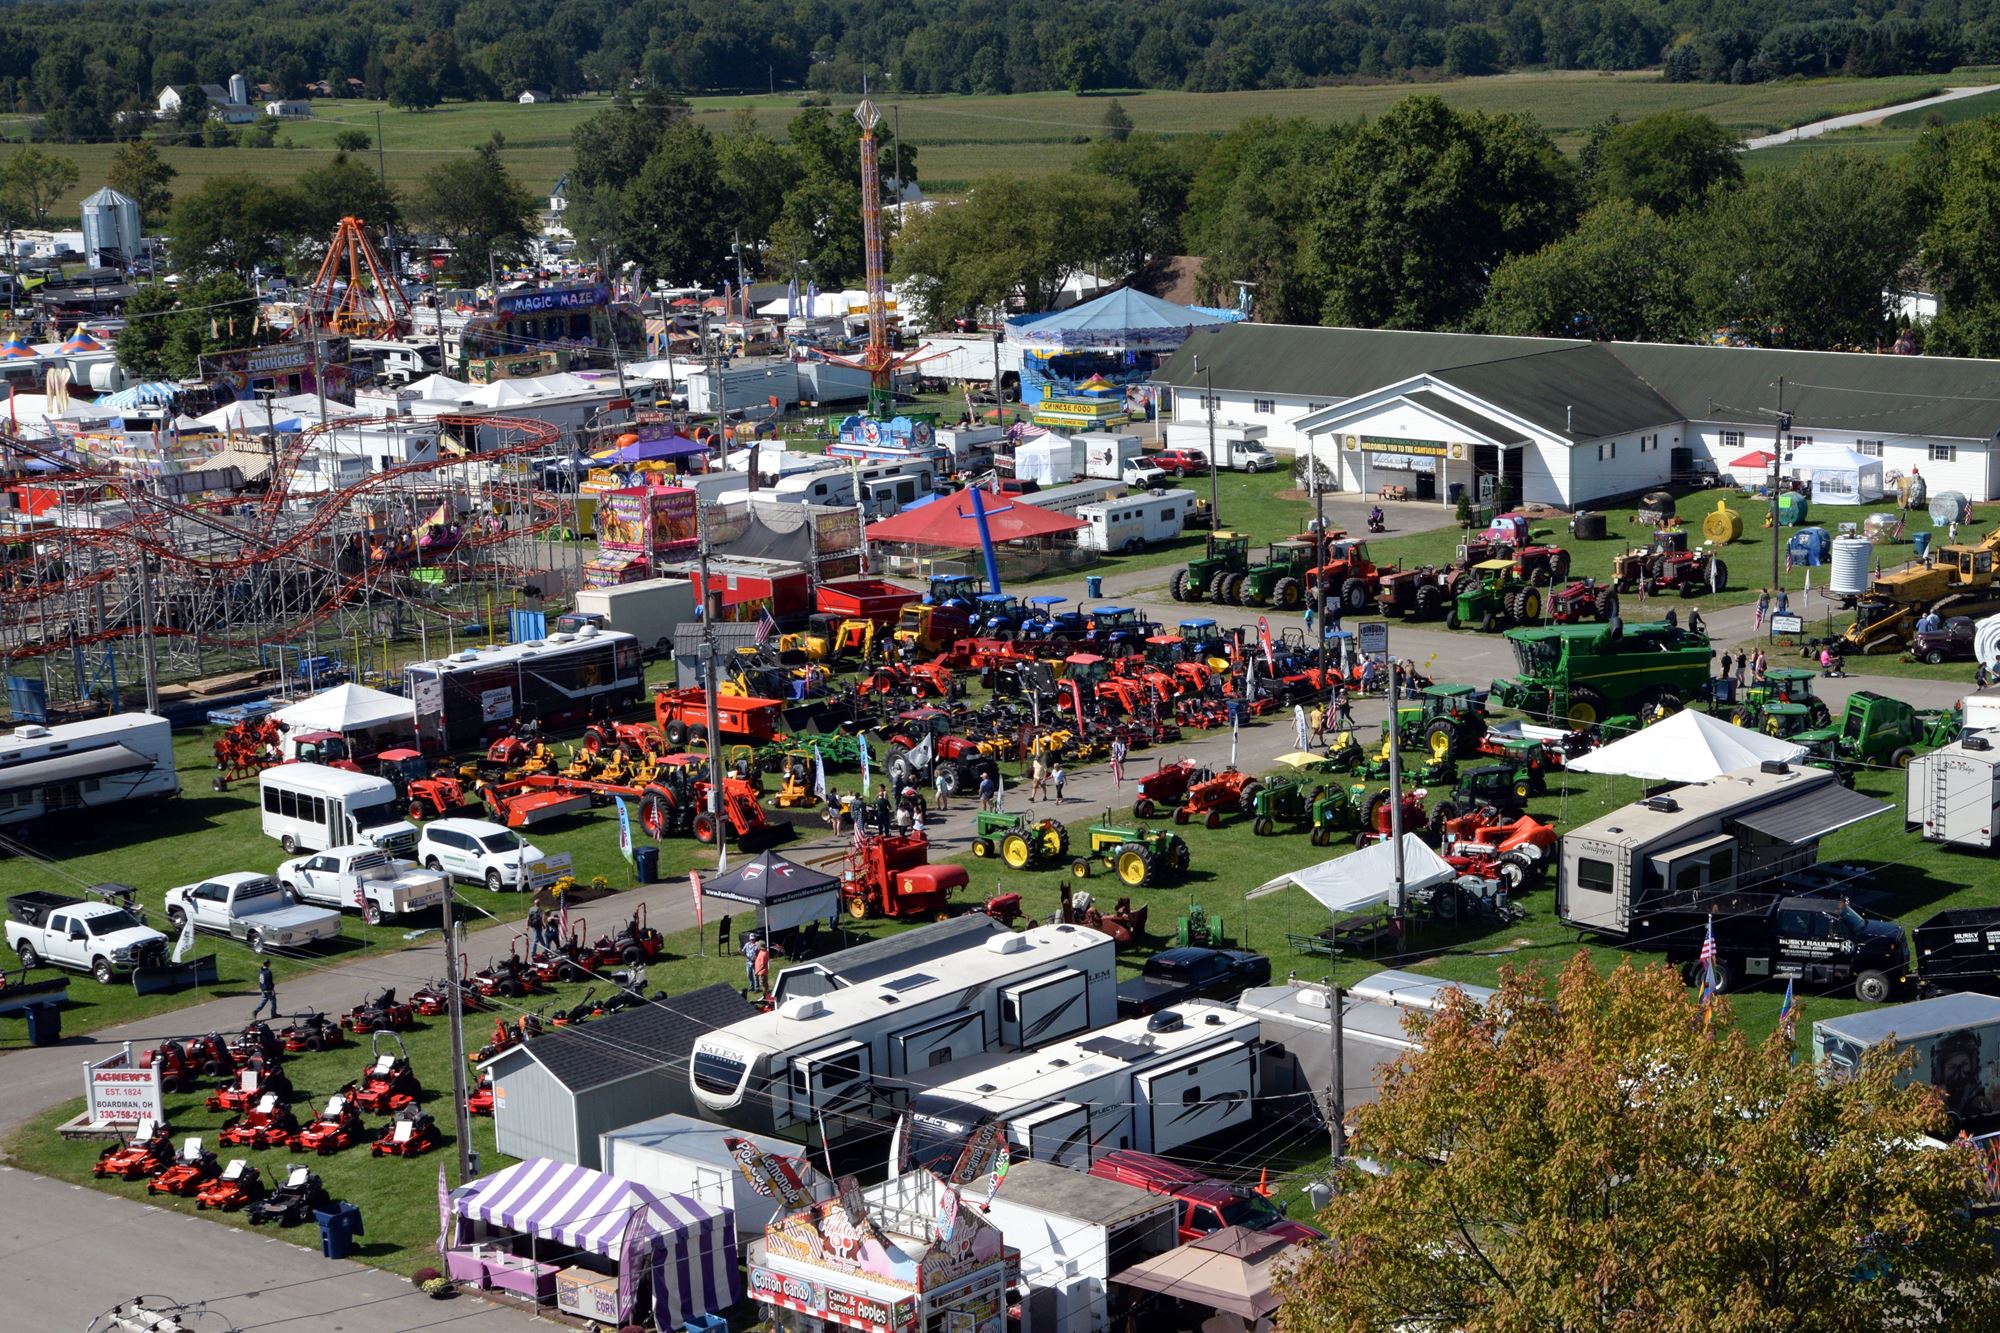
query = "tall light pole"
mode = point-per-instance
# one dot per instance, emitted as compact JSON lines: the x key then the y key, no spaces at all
{"x":1208,"y":401}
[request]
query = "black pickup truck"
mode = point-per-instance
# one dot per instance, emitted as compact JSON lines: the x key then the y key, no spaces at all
{"x":1191,"y":973}
{"x":1818,"y":942}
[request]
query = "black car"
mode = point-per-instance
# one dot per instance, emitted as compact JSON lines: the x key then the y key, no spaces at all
{"x":1191,"y":973}
{"x":1949,"y":642}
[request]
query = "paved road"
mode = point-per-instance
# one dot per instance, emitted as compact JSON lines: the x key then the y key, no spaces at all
{"x":71,"y":1253}
{"x":1875,"y":117}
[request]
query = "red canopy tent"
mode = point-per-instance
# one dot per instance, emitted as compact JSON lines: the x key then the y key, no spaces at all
{"x":1758,"y":458}
{"x":950,"y":522}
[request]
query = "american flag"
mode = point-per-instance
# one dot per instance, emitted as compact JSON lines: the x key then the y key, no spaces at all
{"x":1707,"y":960}
{"x":764,"y":626}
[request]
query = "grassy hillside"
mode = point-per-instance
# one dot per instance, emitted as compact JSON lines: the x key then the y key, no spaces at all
{"x":962,"y":139}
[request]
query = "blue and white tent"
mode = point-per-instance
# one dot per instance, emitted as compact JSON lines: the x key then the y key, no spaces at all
{"x":153,"y":393}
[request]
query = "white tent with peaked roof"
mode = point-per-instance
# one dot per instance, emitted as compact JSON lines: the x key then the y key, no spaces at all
{"x":1368,"y":877}
{"x":1687,"y":747}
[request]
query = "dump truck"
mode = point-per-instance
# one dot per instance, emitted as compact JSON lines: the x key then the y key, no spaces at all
{"x":1581,"y":675}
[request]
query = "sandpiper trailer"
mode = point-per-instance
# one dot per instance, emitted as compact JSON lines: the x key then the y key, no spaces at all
{"x":1132,"y":522}
{"x":1954,"y":793}
{"x":842,"y":1060}
{"x":82,"y":765}
{"x":1154,"y":1084}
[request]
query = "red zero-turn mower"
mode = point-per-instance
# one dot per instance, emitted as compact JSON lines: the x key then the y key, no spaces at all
{"x":338,"y":1126}
{"x":177,"y":1073}
{"x":252,"y":1082}
{"x":312,"y":1032}
{"x":257,"y":1039}
{"x":239,"y":1185}
{"x":148,"y":1152}
{"x":433,"y":999}
{"x":212,"y":1056}
{"x":480,"y":1100}
{"x":411,"y":1134}
{"x":378,"y":1013}
{"x":195,"y":1167}
{"x":268,"y":1124}
{"x":388,"y":1085}
{"x":292,"y":1202}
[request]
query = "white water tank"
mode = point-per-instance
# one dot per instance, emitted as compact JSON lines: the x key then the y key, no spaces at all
{"x":1986,"y":640}
{"x":1852,"y":557}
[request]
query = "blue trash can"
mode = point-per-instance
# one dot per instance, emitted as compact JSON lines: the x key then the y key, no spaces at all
{"x":1920,"y":544}
{"x":646,"y":863}
{"x":1093,"y":585}
{"x":706,"y":1323}
{"x":44,"y":1024}
{"x":338,"y":1226}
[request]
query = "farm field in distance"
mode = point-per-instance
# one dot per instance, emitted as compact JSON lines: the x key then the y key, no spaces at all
{"x":962,"y":139}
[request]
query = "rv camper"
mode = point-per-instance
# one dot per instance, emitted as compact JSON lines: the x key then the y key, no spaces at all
{"x":77,"y":766}
{"x":1954,"y":793}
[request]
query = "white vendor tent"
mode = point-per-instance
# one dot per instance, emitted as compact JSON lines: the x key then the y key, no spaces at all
{"x":1051,"y":460}
{"x":349,"y":709}
{"x":1687,"y":747}
{"x":1839,"y":475}
{"x":1368,"y":877}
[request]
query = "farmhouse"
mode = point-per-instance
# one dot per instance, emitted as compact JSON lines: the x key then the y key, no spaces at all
{"x":1569,"y":422}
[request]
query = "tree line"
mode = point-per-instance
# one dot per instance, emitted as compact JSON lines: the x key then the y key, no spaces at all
{"x":92,"y":69}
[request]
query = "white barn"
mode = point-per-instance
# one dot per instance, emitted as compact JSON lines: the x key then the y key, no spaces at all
{"x":1569,"y":422}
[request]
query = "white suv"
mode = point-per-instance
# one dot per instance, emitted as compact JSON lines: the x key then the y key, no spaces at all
{"x":1141,"y":475}
{"x":482,"y":852}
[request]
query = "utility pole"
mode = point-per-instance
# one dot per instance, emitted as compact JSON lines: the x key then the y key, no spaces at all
{"x":468,"y":1164}
{"x":1396,"y":793}
{"x":1208,"y":401}
{"x":998,"y":323}
{"x":381,"y":167}
{"x":710,"y":604}
{"x":1320,"y":552}
{"x":1778,"y":433}
{"x":1336,"y":1121}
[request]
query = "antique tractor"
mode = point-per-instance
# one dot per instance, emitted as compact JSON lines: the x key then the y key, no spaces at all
{"x":1139,"y":856}
{"x":1278,"y":800}
{"x":1021,"y":844}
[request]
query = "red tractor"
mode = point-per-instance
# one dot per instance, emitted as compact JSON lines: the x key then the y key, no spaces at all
{"x":1344,"y":567}
{"x":891,"y":877}
{"x":1166,"y":785}
{"x":239,"y":1186}
{"x":148,"y":1152}
{"x":1670,"y":565}
{"x":636,"y":739}
{"x":1515,"y":852}
{"x":1229,"y":792}
{"x":195,"y":1167}
{"x":1421,"y":593}
{"x":1581,"y":600}
{"x":429,"y":795}
{"x":1376,"y":823}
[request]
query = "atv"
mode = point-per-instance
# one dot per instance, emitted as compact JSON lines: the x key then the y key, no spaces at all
{"x":148,"y":1152}
{"x":239,"y":1185}
{"x":195,"y":1167}
{"x":1018,"y":841}
{"x":293,"y":1202}
{"x":337,"y":1126}
{"x":411,"y":1134}
{"x":388,"y":1085}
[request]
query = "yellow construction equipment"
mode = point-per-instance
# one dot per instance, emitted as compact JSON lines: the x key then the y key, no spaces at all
{"x":1951,"y":581}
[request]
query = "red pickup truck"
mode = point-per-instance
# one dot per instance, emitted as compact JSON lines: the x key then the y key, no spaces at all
{"x":1206,"y":1204}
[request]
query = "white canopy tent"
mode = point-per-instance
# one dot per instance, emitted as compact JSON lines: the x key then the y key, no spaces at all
{"x":1368,"y":877}
{"x":1839,"y":475}
{"x":346,"y":709}
{"x":1687,"y":747}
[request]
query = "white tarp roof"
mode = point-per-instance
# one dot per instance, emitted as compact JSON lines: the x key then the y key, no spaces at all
{"x":345,"y":708}
{"x":441,"y":387}
{"x":1367,"y":877}
{"x":1687,"y":747}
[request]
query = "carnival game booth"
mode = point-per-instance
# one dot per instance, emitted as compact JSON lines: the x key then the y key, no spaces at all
{"x":1838,"y":475}
{"x":602,"y":1247}
{"x":911,"y":1255}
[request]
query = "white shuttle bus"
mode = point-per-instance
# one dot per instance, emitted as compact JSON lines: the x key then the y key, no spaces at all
{"x":311,"y":807}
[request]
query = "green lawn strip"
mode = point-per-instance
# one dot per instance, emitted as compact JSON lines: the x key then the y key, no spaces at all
{"x":1250,"y":502}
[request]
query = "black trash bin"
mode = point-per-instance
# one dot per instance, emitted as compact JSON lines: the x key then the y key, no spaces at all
{"x":44,"y":1024}
{"x":646,"y":864}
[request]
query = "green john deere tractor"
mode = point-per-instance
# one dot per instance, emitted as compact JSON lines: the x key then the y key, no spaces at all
{"x":1493,"y":595}
{"x":1207,"y":577}
{"x":1279,"y":800}
{"x":1020,"y":843}
{"x":1445,"y":720}
{"x":1138,"y":855}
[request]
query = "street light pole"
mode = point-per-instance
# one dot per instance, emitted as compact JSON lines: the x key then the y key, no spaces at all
{"x":1777,"y":459}
{"x":1208,"y":400}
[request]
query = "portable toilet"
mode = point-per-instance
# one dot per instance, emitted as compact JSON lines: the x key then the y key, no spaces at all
{"x":1807,"y":546}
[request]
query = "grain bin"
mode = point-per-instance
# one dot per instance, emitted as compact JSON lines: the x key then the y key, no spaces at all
{"x":1723,"y":526}
{"x":1852,"y":558}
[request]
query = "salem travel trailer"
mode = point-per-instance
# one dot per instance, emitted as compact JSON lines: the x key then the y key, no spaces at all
{"x":844,"y":1059}
{"x":1154,"y":1084}
{"x":83,"y":765}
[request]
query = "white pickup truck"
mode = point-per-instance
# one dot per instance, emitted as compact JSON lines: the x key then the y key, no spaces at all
{"x":365,"y":878}
{"x":102,"y":939}
{"x":253,"y":908}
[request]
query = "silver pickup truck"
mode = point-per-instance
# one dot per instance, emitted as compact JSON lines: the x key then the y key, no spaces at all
{"x":253,"y":908}
{"x":366,"y":879}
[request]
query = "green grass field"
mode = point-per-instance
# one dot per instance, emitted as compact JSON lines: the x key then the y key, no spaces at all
{"x":961,"y":140}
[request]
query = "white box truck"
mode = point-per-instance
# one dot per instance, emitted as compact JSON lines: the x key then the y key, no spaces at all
{"x":1237,"y":448}
{"x":1105,"y":453}
{"x":648,"y":610}
{"x":1133,"y":522}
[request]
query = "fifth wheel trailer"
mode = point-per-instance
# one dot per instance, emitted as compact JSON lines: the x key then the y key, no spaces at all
{"x":75,"y":766}
{"x":1954,"y":793}
{"x":841,"y":1060}
{"x":1154,"y":1084}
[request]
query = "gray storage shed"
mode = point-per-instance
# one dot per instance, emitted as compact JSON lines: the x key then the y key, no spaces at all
{"x":555,"y":1096}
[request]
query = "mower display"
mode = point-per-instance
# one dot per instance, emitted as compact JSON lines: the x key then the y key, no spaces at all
{"x":239,"y":1186}
{"x":378,"y":1013}
{"x":148,"y":1152}
{"x":1019,"y":842}
{"x":291,"y":1203}
{"x":194,"y":1167}
{"x":479,"y":1101}
{"x":312,"y":1032}
{"x":337,"y":1126}
{"x":253,"y":1081}
{"x":411,"y":1134}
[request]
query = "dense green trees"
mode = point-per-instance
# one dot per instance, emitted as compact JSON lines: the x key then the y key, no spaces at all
{"x":167,"y":330}
{"x":476,"y":204}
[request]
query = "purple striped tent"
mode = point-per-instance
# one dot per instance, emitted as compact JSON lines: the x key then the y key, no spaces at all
{"x":573,"y":1208}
